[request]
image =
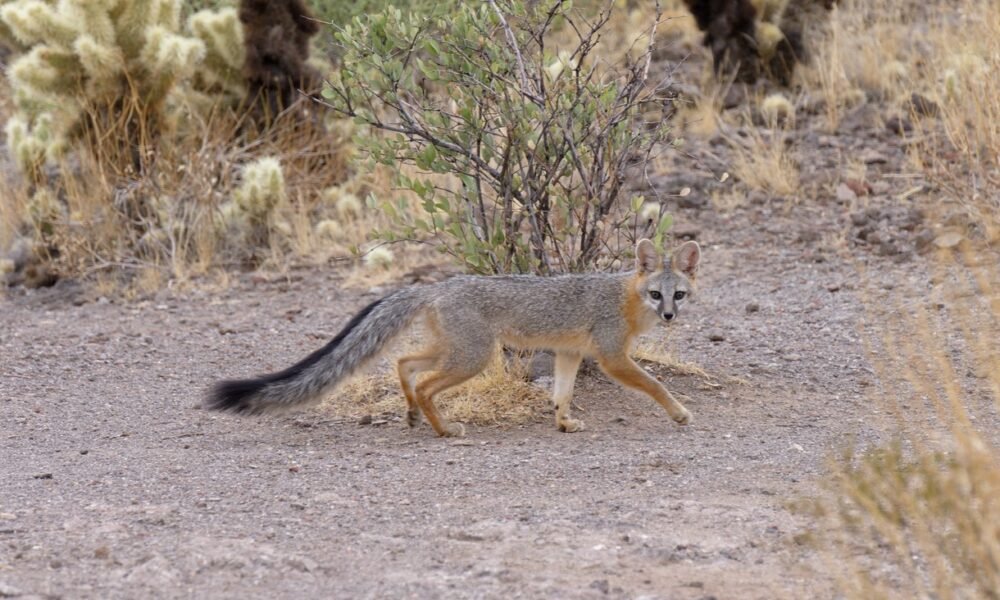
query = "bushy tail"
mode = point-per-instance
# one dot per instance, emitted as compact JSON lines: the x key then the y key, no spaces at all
{"x":307,"y":381}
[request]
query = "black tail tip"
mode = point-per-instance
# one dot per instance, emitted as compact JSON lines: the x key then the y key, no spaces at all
{"x":235,"y":396}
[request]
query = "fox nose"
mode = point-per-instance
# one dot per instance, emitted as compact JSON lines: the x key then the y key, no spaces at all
{"x":668,"y":316}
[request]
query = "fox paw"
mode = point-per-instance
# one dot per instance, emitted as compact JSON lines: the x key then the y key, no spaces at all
{"x":683,"y":417}
{"x":570,"y":425}
{"x":413,"y":417}
{"x":454,"y":430}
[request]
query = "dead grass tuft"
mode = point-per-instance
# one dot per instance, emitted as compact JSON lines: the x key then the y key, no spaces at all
{"x":763,"y":161}
{"x":501,"y":395}
{"x":920,"y":516}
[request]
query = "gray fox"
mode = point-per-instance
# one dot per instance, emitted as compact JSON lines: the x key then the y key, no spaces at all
{"x":597,"y":316}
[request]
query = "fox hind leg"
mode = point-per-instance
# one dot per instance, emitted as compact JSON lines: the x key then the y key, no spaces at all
{"x":431,"y":386}
{"x":462,"y":362}
{"x":562,"y":390}
{"x":408,"y":367}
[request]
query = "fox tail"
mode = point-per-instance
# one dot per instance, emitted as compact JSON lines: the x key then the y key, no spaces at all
{"x":309,"y":380}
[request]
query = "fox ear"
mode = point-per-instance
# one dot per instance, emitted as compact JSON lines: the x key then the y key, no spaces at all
{"x":646,"y":258}
{"x":686,"y":259}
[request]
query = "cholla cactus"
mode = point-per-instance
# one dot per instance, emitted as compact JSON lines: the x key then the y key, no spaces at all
{"x":347,"y":205}
{"x":222,"y":70}
{"x":329,"y":230}
{"x":777,"y":109}
{"x":262,"y":187}
{"x":379,"y":258}
{"x":45,"y":210}
{"x":87,"y":54}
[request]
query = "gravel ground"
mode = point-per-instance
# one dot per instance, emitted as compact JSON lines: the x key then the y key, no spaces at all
{"x":116,"y":483}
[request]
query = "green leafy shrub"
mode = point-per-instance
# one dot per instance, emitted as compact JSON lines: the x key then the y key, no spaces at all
{"x":522,"y":151}
{"x":338,"y":12}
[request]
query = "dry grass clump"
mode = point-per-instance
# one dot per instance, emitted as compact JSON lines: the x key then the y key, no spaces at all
{"x":920,"y":517}
{"x":763,"y":161}
{"x":501,"y":395}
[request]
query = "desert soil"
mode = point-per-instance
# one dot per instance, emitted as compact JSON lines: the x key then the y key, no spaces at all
{"x":116,"y":484}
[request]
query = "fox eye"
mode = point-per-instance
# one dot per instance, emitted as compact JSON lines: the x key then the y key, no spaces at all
{"x":655,"y":295}
{"x":679,"y":295}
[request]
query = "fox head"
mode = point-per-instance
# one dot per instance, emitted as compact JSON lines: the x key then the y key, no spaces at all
{"x":665,"y":283}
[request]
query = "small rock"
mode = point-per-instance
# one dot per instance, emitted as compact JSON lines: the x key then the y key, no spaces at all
{"x":9,"y":591}
{"x":43,"y":476}
{"x":876,"y":237}
{"x":924,"y":239}
{"x":949,"y":239}
{"x":735,"y":96}
{"x":860,"y":188}
{"x":694,"y":200}
{"x":845,"y":193}
{"x":716,"y":336}
{"x":752,"y":307}
{"x":365,"y":420}
{"x":294,"y":468}
{"x":796,"y":447}
{"x":5,"y":516}
{"x":304,"y":564}
{"x":793,"y":357}
{"x":757,"y":197}
{"x":898,"y":125}
{"x":809,"y":236}
{"x":887,"y":248}
{"x":686,"y":232}
{"x":859,"y":219}
{"x":923,"y":106}
{"x":833,"y":287}
{"x":601,"y":585}
{"x":871,"y":157}
{"x":102,"y":552}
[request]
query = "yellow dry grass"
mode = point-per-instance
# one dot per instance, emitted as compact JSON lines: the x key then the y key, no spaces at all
{"x":501,"y":395}
{"x":762,"y":161}
{"x":919,"y":517}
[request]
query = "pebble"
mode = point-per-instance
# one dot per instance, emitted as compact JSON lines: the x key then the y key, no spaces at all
{"x":752,"y":307}
{"x":898,"y":125}
{"x":757,"y":197}
{"x":923,"y":106}
{"x":845,"y":193}
{"x":871,"y":157}
{"x":686,"y":232}
{"x":716,"y":336}
{"x":948,"y":240}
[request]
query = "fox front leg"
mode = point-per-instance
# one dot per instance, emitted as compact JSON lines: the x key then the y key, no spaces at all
{"x":562,"y":392}
{"x":624,"y":370}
